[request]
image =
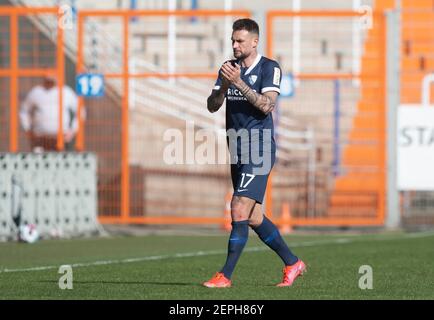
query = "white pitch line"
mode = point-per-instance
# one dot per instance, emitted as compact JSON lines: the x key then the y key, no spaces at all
{"x":211,"y":252}
{"x":171,"y":256}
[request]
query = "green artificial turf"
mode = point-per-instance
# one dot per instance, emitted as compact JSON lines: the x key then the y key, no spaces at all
{"x":173,"y":267}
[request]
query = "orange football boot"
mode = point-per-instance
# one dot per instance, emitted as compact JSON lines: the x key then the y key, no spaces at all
{"x":290,"y":273}
{"x":218,"y":281}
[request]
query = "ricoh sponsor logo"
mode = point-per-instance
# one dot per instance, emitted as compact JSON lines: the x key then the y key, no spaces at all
{"x":235,"y":95}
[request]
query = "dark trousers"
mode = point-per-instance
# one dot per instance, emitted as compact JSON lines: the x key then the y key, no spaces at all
{"x":49,"y":143}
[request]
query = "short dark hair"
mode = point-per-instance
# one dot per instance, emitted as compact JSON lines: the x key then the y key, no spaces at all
{"x":246,"y":24}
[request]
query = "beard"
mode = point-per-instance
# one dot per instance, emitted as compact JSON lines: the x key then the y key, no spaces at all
{"x":239,"y":55}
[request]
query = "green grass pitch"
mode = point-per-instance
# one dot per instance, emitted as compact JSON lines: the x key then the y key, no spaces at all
{"x":173,"y":267}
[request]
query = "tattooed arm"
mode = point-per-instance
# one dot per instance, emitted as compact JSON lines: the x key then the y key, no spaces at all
{"x":216,"y":99}
{"x":263,"y":102}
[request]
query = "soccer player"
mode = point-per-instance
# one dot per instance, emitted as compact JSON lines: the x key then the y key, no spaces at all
{"x":250,"y":83}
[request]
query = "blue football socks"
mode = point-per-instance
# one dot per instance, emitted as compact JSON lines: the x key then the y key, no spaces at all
{"x":270,"y":235}
{"x":237,"y":241}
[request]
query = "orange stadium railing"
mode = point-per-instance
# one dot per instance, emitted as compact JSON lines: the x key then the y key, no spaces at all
{"x":123,"y":188}
{"x":24,"y":67}
{"x":355,"y":197}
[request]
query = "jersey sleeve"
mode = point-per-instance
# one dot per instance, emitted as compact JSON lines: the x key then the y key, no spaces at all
{"x":271,"y":77}
{"x":218,"y":82}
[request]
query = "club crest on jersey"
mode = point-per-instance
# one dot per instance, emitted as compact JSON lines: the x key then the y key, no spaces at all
{"x":252,"y":79}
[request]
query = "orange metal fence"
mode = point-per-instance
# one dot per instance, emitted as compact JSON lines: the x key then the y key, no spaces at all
{"x":135,"y":186}
{"x":126,"y":126}
{"x":340,"y":69}
{"x":27,"y":54}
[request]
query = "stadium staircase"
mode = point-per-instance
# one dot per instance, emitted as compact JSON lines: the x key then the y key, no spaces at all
{"x":357,"y":190}
{"x":417,"y":61}
{"x":418,"y":47}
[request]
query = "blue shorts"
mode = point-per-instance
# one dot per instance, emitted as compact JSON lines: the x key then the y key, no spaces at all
{"x":247,"y":182}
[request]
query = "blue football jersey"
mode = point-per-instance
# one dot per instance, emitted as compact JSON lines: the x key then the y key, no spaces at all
{"x":262,"y":76}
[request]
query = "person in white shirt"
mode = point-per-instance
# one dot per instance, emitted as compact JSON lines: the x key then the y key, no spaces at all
{"x":39,"y":115}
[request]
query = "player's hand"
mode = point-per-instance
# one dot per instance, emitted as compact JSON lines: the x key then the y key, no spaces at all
{"x":231,"y":73}
{"x":225,"y":83}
